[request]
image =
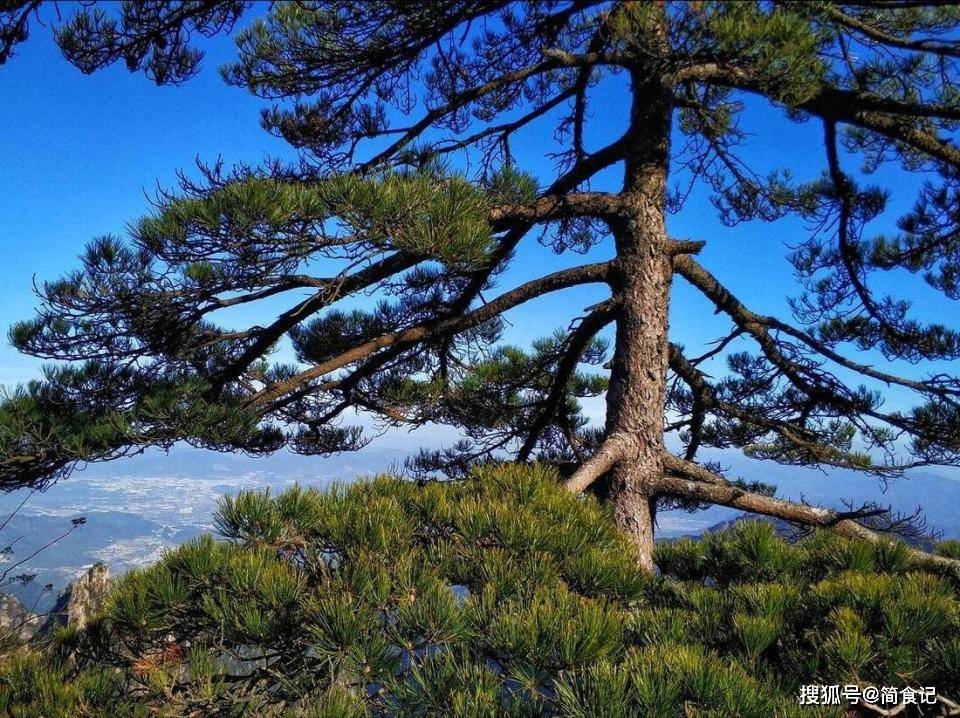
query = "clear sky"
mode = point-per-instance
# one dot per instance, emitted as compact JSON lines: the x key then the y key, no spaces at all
{"x":82,"y":153}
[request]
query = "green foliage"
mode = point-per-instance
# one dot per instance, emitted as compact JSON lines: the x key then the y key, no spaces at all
{"x":497,"y":595}
{"x":779,"y":43}
{"x":659,"y":681}
{"x":94,"y":38}
{"x":443,"y":218}
{"x":950,"y":549}
{"x":827,"y":608}
{"x":94,"y":412}
{"x":150,"y":370}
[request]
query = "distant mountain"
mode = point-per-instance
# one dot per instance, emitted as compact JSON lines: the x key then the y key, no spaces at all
{"x":187,"y":462}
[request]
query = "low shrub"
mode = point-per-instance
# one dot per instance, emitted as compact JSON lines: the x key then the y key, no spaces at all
{"x":497,"y":595}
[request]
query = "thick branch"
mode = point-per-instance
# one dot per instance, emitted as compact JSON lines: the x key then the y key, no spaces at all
{"x":610,"y":452}
{"x":585,"y":274}
{"x":553,"y":207}
{"x":579,"y":173}
{"x":698,"y":484}
{"x":566,"y":183}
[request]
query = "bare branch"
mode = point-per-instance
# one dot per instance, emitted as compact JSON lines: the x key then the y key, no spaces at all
{"x":696,"y":483}
{"x":936,"y":47}
{"x":576,"y":344}
{"x":885,"y":116}
{"x":756,"y":325}
{"x":461,"y":99}
{"x":609,"y":453}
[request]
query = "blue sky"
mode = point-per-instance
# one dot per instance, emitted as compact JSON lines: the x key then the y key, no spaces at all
{"x":82,"y":153}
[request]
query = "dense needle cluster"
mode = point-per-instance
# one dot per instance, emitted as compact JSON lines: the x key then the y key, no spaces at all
{"x":499,"y":595}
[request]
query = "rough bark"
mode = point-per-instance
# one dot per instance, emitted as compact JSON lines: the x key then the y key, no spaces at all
{"x":641,"y":282}
{"x":610,"y":452}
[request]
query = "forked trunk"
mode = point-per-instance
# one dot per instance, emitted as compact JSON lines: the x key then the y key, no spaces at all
{"x":635,"y":398}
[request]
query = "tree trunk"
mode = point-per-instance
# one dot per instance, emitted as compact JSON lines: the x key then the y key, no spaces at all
{"x":635,"y":398}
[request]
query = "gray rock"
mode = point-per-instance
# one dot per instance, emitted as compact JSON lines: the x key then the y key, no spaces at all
{"x":16,"y":622}
{"x":87,"y":595}
{"x":82,"y":599}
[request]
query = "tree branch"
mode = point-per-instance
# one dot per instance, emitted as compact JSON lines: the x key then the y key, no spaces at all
{"x":705,"y":401}
{"x":557,"y":206}
{"x":882,"y":115}
{"x":920,"y":45}
{"x":610,"y":452}
{"x":461,"y":99}
{"x":696,"y":483}
{"x":575,"y":276}
{"x":751,"y":323}
{"x":577,"y":343}
{"x":336,"y":289}
{"x":758,"y":327}
{"x":580,"y":172}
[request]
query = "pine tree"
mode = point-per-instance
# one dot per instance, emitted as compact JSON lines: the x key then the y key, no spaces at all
{"x":380,"y":97}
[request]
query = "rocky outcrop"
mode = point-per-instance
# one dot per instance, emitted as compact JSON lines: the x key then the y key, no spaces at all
{"x":87,"y":595}
{"x":82,"y":599}
{"x":16,"y":622}
{"x":74,"y":609}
